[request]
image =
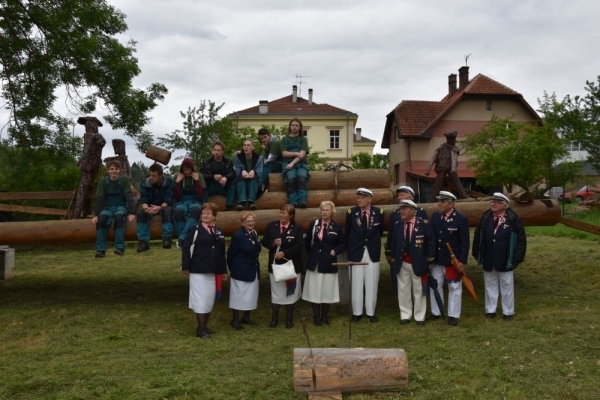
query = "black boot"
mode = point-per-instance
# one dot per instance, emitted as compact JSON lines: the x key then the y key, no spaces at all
{"x":324,"y":313}
{"x":289,"y":316}
{"x":246,"y":319}
{"x":235,"y":322}
{"x":274,"y":315}
{"x":317,"y":313}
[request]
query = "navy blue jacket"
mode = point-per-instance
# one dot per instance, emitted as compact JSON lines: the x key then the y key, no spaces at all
{"x":209,"y":252}
{"x":356,"y":239}
{"x":242,"y":255}
{"x":318,"y":251}
{"x":292,"y":242}
{"x":455,"y":230}
{"x":421,"y":247}
{"x":396,"y":217}
{"x":157,"y":194}
{"x":502,"y":251}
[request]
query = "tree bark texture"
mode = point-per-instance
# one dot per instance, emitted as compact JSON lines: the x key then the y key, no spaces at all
{"x":327,"y":180}
{"x":158,"y":154}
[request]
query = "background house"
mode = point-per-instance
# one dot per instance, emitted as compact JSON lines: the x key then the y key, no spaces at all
{"x":415,"y":128}
{"x":329,"y":129}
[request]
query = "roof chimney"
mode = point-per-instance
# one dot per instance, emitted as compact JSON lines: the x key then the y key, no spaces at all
{"x":358,"y":131}
{"x":463,"y":77}
{"x":263,"y":107}
{"x":451,"y":84}
{"x":294,"y":94}
{"x":310,"y":92}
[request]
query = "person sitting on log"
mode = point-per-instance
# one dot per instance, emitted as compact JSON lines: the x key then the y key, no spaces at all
{"x":271,"y":155}
{"x":248,"y":166}
{"x":189,"y":193}
{"x":156,"y":197}
{"x":294,"y":149}
{"x":113,"y":201}
{"x":219,"y":175}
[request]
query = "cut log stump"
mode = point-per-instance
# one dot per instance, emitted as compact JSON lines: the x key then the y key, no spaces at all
{"x":349,"y":370}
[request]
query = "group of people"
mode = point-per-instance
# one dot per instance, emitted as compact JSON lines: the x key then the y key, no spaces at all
{"x":179,"y":202}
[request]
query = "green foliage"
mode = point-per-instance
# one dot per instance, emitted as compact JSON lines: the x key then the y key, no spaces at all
{"x":46,"y":45}
{"x":139,"y":172}
{"x":316,"y":161}
{"x":364,"y":160}
{"x":513,"y":154}
{"x":577,"y":119}
{"x":202,"y":126}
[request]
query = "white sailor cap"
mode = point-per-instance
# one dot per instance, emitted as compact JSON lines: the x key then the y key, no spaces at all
{"x":364,"y":191}
{"x":446,"y":195}
{"x":406,"y":189}
{"x":501,"y":197}
{"x":408,"y":203}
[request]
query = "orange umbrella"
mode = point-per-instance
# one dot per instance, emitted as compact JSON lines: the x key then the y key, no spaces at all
{"x":463,"y":276}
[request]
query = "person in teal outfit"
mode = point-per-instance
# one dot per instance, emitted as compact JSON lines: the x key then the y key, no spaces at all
{"x":156,"y":197}
{"x":113,"y":202}
{"x":294,"y":149}
{"x":219,"y":174}
{"x":248,"y":167}
{"x":189,"y":194}
{"x":271,"y":155}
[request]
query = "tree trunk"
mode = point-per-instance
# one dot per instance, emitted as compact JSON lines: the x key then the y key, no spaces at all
{"x":325,"y":180}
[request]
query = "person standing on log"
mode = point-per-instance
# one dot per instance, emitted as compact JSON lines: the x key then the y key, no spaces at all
{"x":294,"y":149}
{"x":271,"y":155}
{"x":499,"y":245}
{"x":364,"y":229}
{"x":452,"y":227}
{"x":189,"y":193}
{"x":402,"y":193}
{"x":242,"y":260}
{"x":445,"y":159}
{"x":413,"y":252}
{"x":284,"y":239}
{"x":324,"y":241}
{"x":248,"y":166}
{"x":156,"y":197}
{"x":219,"y":174}
{"x":113,"y":201}
{"x":203,"y":261}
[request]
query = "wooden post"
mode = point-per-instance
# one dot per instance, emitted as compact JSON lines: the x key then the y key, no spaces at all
{"x":7,"y":262}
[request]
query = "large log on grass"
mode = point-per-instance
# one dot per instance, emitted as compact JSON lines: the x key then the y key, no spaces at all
{"x":324,"y":180}
{"x":349,"y":370}
{"x":538,"y":212}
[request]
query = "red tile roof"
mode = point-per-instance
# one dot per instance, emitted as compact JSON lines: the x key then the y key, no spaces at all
{"x":363,"y":139}
{"x":285,"y":105}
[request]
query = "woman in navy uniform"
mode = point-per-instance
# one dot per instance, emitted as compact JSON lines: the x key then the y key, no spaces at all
{"x":242,"y":259}
{"x":284,"y":239}
{"x":324,"y":241}
{"x":203,"y":260}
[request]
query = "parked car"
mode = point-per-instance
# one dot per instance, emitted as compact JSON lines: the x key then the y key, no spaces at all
{"x":582,"y":194}
{"x":554,"y":193}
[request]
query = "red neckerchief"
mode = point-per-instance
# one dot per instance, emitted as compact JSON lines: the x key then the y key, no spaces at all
{"x":283,"y":228}
{"x":411,"y":226}
{"x":209,"y":228}
{"x":447,"y":215}
{"x":500,"y":219}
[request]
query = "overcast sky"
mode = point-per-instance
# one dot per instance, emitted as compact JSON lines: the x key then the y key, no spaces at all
{"x":362,"y":56}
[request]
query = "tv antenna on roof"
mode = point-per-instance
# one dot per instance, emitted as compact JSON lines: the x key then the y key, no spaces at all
{"x":299,"y":81}
{"x":467,"y":59}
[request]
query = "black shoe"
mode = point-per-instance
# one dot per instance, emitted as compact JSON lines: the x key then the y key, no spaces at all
{"x":248,"y":321}
{"x":180,"y":244}
{"x":202,"y":334}
{"x":356,"y":318}
{"x":404,"y":321}
{"x":228,"y":208}
{"x":372,"y":319}
{"x":240,"y":207}
{"x":236,"y":325}
{"x":166,"y":242}
{"x":119,"y":252}
{"x":302,"y":205}
{"x":210,"y":331}
{"x":433,"y":317}
{"x":420,"y":323}
{"x":289,"y":324}
{"x":295,"y":205}
{"x":452,"y":321}
{"x":273,"y":324}
{"x":507,"y":317}
{"x":142,"y":246}
{"x":325,"y":320}
{"x":100,"y":254}
{"x":317,"y":321}
{"x":490,"y":315}
{"x":252,"y":207}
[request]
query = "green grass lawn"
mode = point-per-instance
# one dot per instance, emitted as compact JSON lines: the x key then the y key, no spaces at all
{"x":76,"y":327}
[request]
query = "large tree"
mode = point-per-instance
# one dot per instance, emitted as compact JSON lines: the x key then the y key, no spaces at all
{"x":364,"y":160}
{"x":577,"y":119}
{"x":46,"y":45}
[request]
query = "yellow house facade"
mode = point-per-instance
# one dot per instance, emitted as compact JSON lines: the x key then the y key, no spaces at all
{"x":328,"y":129}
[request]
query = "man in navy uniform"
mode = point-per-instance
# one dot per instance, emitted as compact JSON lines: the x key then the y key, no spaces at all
{"x":499,"y":244}
{"x":364,"y":228}
{"x":402,"y":193}
{"x":452,"y":227}
{"x":413,"y":251}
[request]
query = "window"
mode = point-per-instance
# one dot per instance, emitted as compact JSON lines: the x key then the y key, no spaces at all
{"x":334,"y":139}
{"x":397,"y":130}
{"x":488,"y":105}
{"x":397,"y":174}
{"x":305,"y":133}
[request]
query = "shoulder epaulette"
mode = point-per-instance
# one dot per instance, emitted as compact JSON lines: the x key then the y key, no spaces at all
{"x":380,"y":211}
{"x":349,"y":211}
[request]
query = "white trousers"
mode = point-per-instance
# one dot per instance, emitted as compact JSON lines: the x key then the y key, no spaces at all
{"x":365,"y":282}
{"x":454,"y":293}
{"x":505,"y":281}
{"x":407,"y":280}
